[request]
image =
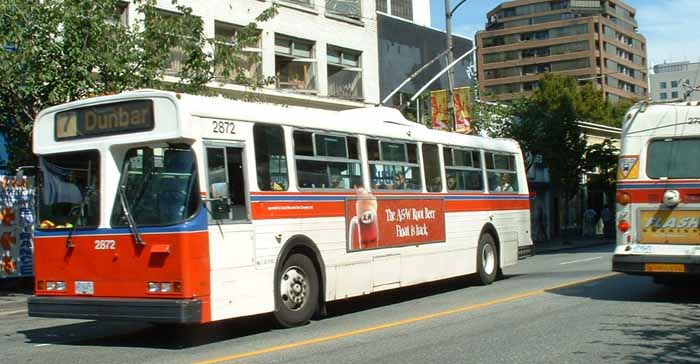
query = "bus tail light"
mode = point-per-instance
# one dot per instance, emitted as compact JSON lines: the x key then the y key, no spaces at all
{"x":623,"y":226}
{"x":623,"y":198}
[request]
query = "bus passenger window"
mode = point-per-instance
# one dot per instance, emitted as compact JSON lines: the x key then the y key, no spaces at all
{"x":501,"y":172}
{"x":326,"y":161}
{"x":463,"y":171}
{"x":397,"y":167}
{"x":431,"y":167}
{"x":270,"y":157}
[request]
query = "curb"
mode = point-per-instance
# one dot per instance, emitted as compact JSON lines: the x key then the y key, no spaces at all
{"x":573,"y":245}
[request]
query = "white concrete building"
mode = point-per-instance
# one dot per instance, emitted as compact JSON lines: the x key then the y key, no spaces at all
{"x":673,"y":81}
{"x":323,"y":53}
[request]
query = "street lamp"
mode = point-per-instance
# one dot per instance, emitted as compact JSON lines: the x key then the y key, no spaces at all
{"x":450,"y":59}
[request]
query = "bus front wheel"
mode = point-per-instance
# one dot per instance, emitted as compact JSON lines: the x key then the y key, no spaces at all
{"x":296,"y":291}
{"x":487,"y":259}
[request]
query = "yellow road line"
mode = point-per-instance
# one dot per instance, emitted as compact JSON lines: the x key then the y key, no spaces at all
{"x":389,"y":325}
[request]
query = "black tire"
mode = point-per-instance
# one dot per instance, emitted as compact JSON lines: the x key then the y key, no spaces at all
{"x":296,"y":291}
{"x":487,"y":260}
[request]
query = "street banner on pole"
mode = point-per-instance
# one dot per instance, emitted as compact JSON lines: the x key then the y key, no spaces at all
{"x":463,"y":110}
{"x":441,"y":120}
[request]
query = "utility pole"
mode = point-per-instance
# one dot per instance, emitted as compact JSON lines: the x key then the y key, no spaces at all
{"x":450,"y":73}
{"x":450,"y":58}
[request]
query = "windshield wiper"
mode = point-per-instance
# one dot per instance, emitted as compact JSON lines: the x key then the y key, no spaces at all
{"x":125,"y":206}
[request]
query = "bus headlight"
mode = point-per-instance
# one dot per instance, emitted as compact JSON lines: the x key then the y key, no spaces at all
{"x":166,"y":287}
{"x":153,"y":287}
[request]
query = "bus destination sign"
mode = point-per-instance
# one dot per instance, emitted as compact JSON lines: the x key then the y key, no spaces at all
{"x":109,"y":119}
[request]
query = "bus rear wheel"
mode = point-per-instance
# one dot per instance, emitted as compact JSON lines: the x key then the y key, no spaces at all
{"x":487,"y":259}
{"x":296,"y":291}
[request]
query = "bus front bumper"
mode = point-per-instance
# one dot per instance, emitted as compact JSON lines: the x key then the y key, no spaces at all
{"x":656,"y":264}
{"x":115,"y":309}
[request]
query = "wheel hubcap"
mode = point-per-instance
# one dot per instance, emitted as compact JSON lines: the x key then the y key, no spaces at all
{"x":488,"y":259}
{"x":294,"y":288}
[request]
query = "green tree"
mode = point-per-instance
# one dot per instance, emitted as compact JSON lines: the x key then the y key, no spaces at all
{"x":600,"y":163}
{"x":56,"y":51}
{"x":546,"y":124}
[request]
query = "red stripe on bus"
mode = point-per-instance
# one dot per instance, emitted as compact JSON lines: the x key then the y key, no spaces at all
{"x":292,"y":210}
{"x":655,"y":195}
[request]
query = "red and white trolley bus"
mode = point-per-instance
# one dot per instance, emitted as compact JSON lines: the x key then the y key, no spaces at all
{"x":165,"y":207}
{"x":658,"y":198}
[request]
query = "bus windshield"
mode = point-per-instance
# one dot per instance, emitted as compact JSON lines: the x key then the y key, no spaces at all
{"x":160,"y":187}
{"x":68,"y":193}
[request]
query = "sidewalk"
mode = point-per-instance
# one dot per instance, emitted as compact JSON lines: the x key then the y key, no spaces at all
{"x":571,"y":243}
{"x":13,"y":295}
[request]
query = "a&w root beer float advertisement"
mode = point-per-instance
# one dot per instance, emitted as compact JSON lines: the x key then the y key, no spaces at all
{"x":375,"y":222}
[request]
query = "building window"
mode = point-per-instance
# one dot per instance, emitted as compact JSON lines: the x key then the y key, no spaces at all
{"x":674,"y":94}
{"x":306,"y":3}
{"x":662,"y":85}
{"x":349,"y":8}
{"x":177,"y":56}
{"x":295,"y":65}
{"x":402,"y":9}
{"x":249,"y":55}
{"x":663,"y":96}
{"x":344,"y":73}
{"x":121,"y":15}
{"x":674,"y":84}
{"x":382,"y":6}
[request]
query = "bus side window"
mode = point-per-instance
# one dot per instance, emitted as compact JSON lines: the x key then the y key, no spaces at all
{"x":270,"y":157}
{"x":327,"y":161}
{"x":396,"y":167}
{"x":463,"y":169}
{"x":501,"y":172}
{"x":431,"y":167}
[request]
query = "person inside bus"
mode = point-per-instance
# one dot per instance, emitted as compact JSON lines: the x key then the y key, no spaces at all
{"x":337,"y":183}
{"x":400,"y":181}
{"x":505,"y":184}
{"x":451,"y":183}
{"x":436,"y":185}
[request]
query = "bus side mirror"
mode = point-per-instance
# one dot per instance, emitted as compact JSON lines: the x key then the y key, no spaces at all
{"x":219,"y":190}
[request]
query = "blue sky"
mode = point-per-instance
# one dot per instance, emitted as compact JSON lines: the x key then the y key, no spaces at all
{"x":670,"y":26}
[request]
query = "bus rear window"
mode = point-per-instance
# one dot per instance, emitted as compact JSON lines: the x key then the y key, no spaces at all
{"x":673,"y":158}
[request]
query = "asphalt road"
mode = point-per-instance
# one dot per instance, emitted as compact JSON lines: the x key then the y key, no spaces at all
{"x":561,"y":307}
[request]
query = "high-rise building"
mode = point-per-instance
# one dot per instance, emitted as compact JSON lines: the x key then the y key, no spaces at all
{"x":593,"y":40}
{"x":675,"y":82}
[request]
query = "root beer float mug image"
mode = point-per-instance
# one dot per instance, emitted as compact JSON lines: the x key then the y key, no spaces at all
{"x":364,"y":226}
